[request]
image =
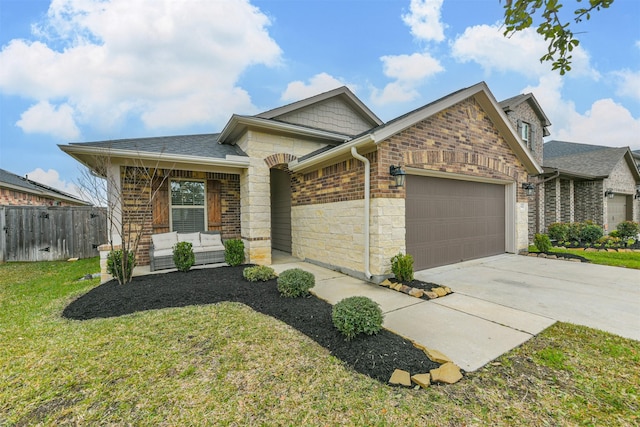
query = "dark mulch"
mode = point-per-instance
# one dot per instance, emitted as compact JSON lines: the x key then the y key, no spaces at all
{"x":376,"y":356}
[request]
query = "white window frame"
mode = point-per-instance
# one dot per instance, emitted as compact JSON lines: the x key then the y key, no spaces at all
{"x":525,"y":133}
{"x":204,"y":206}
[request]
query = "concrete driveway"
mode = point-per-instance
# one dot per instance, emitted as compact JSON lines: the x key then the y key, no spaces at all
{"x":601,"y":297}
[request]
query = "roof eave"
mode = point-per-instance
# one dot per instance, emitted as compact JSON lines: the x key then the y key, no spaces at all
{"x":238,"y":124}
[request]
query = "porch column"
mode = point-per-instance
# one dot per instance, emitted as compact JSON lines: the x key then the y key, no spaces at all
{"x":255,"y":212}
{"x":572,"y":205}
{"x":558,"y":200}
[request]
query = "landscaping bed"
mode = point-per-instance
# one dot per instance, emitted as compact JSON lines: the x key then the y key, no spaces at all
{"x":376,"y":356}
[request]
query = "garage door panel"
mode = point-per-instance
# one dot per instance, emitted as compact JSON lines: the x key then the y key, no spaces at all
{"x":450,"y":221}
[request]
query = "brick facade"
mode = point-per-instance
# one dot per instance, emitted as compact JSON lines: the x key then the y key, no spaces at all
{"x":10,"y":197}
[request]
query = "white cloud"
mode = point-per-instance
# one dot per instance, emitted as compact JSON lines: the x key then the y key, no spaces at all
{"x":409,"y":71}
{"x":319,"y":83}
{"x":628,"y":84}
{"x":424,"y":20}
{"x":170,"y":63}
{"x":51,"y":178}
{"x":486,"y":45}
{"x":47,"y":119}
{"x":606,"y":123}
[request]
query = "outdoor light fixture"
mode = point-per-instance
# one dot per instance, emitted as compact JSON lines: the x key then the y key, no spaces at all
{"x":609,"y":193}
{"x":398,"y":174}
{"x":528,"y":188}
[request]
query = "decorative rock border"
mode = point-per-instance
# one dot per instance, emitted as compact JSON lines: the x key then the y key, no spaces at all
{"x":435,"y":292}
{"x":447,"y":373}
{"x":554,"y":256}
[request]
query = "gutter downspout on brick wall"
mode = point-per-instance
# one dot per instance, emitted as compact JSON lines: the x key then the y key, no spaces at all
{"x":367,"y":207}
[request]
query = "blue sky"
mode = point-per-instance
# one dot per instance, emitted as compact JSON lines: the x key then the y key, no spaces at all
{"x":88,"y":70}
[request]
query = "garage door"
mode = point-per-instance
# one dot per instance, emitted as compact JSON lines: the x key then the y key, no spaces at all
{"x":616,"y":210}
{"x":449,"y":221}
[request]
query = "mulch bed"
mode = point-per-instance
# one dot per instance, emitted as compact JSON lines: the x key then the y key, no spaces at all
{"x":376,"y":356}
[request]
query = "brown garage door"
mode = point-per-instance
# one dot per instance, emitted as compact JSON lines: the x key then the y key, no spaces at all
{"x":449,"y":221}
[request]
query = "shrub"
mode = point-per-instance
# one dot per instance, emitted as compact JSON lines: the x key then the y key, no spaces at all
{"x":573,"y":231}
{"x":260,"y":273}
{"x":234,"y":252}
{"x":608,"y":241}
{"x":614,"y":233}
{"x":183,"y":256}
{"x":628,"y":230}
{"x":122,"y":273}
{"x":558,"y":231}
{"x":589,"y":233}
{"x":357,"y":315}
{"x":295,"y":283}
{"x":402,"y":267}
{"x":542,"y":242}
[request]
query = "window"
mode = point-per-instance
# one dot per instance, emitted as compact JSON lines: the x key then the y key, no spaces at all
{"x":525,"y":132}
{"x":188,"y":208}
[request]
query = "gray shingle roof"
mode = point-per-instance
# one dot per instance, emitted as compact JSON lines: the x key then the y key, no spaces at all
{"x":30,"y":186}
{"x":582,"y":159}
{"x":204,"y":145}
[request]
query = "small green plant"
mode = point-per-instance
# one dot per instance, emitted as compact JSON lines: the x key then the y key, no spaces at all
{"x":357,"y":315}
{"x":574,"y":231}
{"x":590,"y":233}
{"x":628,"y":230}
{"x":542,"y":242}
{"x":259,"y":273}
{"x":234,"y":252}
{"x":183,"y":256}
{"x":295,"y":283}
{"x":122,"y":271}
{"x":402,"y":267}
{"x":558,"y":231}
{"x":614,"y":233}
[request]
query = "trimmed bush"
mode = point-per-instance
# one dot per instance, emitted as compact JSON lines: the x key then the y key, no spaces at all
{"x":234,"y":252}
{"x":558,"y":231}
{"x":590,"y":233}
{"x":574,"y":232}
{"x":116,"y":269}
{"x":542,"y":242}
{"x":259,"y":273}
{"x":183,"y":256}
{"x":628,"y":230}
{"x":357,"y":315}
{"x":295,"y":283}
{"x":402,"y":267}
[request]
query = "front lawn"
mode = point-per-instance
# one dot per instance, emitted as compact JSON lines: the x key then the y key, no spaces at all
{"x":615,"y":259}
{"x":226,"y":364}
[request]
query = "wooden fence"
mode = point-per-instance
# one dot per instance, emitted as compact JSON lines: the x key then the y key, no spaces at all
{"x":43,"y":233}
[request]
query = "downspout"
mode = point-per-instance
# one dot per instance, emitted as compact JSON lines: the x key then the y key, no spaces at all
{"x":367,"y":207}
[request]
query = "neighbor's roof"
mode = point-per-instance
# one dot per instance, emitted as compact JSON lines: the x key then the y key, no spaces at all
{"x":586,"y":160}
{"x":24,"y":184}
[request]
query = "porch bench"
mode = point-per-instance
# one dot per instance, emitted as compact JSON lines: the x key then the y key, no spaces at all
{"x":207,"y":248}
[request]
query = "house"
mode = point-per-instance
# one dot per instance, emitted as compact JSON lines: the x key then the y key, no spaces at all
{"x":321,"y":179}
{"x":22,"y":191}
{"x":590,"y":182}
{"x":526,"y":115}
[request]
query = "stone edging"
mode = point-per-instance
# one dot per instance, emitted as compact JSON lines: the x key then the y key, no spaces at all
{"x":437,"y":292}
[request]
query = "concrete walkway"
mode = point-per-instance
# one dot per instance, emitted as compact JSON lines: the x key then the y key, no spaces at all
{"x":472,"y":332}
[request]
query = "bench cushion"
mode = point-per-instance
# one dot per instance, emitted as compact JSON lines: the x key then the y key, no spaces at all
{"x":193,"y":238}
{"x":211,"y":240}
{"x":162,"y":252}
{"x":164,"y":241}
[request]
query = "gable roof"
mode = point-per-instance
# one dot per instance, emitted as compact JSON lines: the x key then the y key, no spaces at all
{"x":586,"y":160}
{"x":26,"y":185}
{"x":511,"y":103}
{"x":201,"y":149}
{"x":342,"y":93}
{"x":480,"y":92}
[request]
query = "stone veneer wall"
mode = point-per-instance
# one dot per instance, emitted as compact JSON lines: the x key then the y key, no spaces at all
{"x":136,"y":193}
{"x":255,"y":191}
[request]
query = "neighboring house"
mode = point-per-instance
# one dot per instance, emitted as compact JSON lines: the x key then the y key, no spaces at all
{"x":636,"y":158}
{"x":313,"y":178}
{"x":590,"y":182}
{"x":18,"y":191}
{"x":532,"y":124}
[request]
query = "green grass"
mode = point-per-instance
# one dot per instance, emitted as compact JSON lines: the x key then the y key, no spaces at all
{"x":615,"y":259}
{"x":224,"y":364}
